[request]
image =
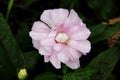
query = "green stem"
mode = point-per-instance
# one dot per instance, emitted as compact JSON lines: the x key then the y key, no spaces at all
{"x":64,"y":69}
{"x":10,"y":4}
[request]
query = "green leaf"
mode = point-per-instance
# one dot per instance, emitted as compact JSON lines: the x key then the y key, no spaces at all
{"x":69,"y":76}
{"x":29,"y":2}
{"x":79,"y":74}
{"x":69,"y":3}
{"x":99,"y":68}
{"x":95,"y":4}
{"x":46,"y":76}
{"x":31,"y":59}
{"x":103,"y":9}
{"x":97,"y":29}
{"x":64,"y":69}
{"x":22,"y":36}
{"x":9,"y":43}
{"x":108,"y":11}
{"x":104,"y":63}
{"x":10,"y":4}
{"x":7,"y":69}
{"x":101,"y":32}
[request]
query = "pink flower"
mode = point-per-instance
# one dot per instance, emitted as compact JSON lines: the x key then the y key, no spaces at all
{"x":61,"y":36}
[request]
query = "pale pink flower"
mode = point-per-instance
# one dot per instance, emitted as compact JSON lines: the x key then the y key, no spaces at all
{"x":61,"y":36}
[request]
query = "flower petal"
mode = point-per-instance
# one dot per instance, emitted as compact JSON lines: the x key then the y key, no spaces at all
{"x":55,"y":61}
{"x":46,"y":18}
{"x":46,"y":58}
{"x":52,"y":34}
{"x":74,"y":54}
{"x":39,"y":26}
{"x":36,"y":44}
{"x":47,"y":42}
{"x":74,"y":17}
{"x":80,"y":34}
{"x":63,"y":56}
{"x":57,"y":47}
{"x":45,"y":50}
{"x":73,"y":64}
{"x":83,"y":46}
{"x":37,"y":36}
{"x":71,"y":29}
{"x":59,"y":16}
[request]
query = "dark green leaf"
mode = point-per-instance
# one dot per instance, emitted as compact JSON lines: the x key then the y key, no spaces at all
{"x":102,"y":32}
{"x":46,"y":76}
{"x":28,"y":2}
{"x":95,"y":4}
{"x":79,"y":74}
{"x":104,"y":9}
{"x":98,"y":29}
{"x":10,"y":4}
{"x":7,"y":69}
{"x":68,"y":3}
{"x":22,"y":36}
{"x":9,"y":43}
{"x":104,"y":63}
{"x":108,"y":11}
{"x":31,"y":58}
{"x":64,"y":69}
{"x":99,"y":68}
{"x":69,"y":76}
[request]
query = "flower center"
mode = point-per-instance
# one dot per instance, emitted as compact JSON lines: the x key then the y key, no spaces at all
{"x":61,"y":38}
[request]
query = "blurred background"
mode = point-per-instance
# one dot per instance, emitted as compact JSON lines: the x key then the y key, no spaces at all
{"x":23,"y":13}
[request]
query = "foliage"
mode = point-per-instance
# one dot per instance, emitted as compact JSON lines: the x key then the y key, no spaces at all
{"x":16,"y":51}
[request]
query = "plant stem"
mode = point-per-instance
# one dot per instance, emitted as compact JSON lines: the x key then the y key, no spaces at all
{"x":10,"y":4}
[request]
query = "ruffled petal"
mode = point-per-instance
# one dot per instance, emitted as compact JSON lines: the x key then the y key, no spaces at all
{"x":74,"y":54}
{"x":55,"y":61}
{"x":83,"y":46}
{"x":37,"y":36}
{"x":39,"y":26}
{"x":73,"y":64}
{"x":81,"y":34}
{"x":74,"y":17}
{"x":36,"y":44}
{"x":71,"y":29}
{"x":63,"y":56}
{"x":59,"y":16}
{"x":52,"y":34}
{"x":45,"y":50}
{"x":47,"y":42}
{"x":73,"y":20}
{"x":46,"y":58}
{"x":46,"y":18}
{"x":57,"y":47}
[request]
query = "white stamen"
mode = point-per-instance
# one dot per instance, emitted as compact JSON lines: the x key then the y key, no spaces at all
{"x":61,"y":37}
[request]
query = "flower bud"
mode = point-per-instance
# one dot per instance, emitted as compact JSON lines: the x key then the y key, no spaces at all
{"x":22,"y":74}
